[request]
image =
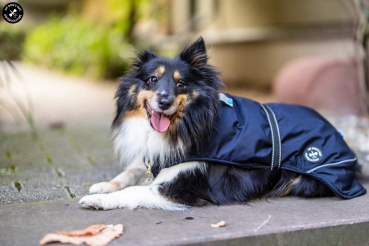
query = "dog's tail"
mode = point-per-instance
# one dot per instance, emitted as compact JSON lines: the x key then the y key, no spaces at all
{"x":294,"y":184}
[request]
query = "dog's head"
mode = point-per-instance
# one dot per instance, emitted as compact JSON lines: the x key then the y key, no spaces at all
{"x":178,"y":97}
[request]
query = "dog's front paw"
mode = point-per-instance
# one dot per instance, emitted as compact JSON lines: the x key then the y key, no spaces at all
{"x":103,"y":187}
{"x":100,"y":201}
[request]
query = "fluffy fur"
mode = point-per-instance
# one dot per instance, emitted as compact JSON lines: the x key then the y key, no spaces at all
{"x":185,"y":91}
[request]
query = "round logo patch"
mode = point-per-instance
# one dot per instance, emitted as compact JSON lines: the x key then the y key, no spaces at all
{"x":313,"y":154}
{"x":12,"y":13}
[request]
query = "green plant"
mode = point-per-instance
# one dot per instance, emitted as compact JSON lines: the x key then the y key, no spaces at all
{"x":11,"y":40}
{"x":79,"y":47}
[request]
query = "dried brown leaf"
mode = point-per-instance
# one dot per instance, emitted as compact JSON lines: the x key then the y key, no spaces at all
{"x":220,"y":224}
{"x":91,"y":230}
{"x":102,"y":238}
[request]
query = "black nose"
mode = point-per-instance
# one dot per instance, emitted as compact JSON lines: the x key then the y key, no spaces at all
{"x":165,"y":103}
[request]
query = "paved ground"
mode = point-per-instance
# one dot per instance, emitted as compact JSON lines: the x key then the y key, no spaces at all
{"x":62,"y":164}
{"x":284,"y":221}
{"x":39,"y":176}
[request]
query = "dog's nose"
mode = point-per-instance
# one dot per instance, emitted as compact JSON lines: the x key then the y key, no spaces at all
{"x":165,"y":103}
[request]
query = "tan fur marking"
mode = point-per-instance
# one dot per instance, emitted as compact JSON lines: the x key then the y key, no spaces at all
{"x":197,"y":59}
{"x":181,"y":100}
{"x":289,"y":187}
{"x":144,"y":95}
{"x":160,"y":70}
{"x":140,"y":111}
{"x":131,"y":91}
{"x":177,"y":75}
{"x":195,"y":94}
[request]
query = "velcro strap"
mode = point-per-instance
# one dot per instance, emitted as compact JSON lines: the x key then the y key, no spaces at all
{"x":276,"y":138}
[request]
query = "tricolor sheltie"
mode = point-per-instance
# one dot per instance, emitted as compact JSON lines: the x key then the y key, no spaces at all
{"x":165,"y":108}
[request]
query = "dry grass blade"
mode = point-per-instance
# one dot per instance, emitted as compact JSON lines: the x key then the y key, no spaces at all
{"x":14,"y":102}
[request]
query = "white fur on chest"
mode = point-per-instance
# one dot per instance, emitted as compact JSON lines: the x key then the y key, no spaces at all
{"x":136,"y":137}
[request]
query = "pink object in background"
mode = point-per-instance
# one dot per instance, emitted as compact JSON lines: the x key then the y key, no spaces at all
{"x":329,"y":84}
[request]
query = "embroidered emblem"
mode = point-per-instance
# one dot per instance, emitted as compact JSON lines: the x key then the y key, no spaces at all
{"x":313,"y":154}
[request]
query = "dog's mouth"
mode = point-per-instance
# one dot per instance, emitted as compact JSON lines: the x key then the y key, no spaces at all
{"x":158,"y":120}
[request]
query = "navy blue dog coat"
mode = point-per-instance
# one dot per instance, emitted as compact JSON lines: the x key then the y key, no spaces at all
{"x":291,"y":137}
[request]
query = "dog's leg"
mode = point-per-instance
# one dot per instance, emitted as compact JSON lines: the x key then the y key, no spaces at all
{"x":151,"y":196}
{"x":129,"y":177}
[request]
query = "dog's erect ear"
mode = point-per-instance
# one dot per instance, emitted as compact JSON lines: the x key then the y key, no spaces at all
{"x":195,"y":54}
{"x":143,"y":57}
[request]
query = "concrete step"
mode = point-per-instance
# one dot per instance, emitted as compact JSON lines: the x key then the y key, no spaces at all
{"x":283,"y":221}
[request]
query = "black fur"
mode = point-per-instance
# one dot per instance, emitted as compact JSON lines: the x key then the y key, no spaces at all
{"x":219,"y":184}
{"x":190,"y":188}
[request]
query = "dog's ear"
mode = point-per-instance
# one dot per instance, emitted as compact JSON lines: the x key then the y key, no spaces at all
{"x":143,"y":57}
{"x":195,"y":54}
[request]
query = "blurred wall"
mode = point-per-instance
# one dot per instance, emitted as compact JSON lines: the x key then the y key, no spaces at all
{"x":250,"y":40}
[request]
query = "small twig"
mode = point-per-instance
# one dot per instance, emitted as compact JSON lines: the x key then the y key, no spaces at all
{"x":266,"y":221}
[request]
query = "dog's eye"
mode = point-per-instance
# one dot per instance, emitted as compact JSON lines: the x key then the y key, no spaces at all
{"x":180,"y":85}
{"x":153,"y":79}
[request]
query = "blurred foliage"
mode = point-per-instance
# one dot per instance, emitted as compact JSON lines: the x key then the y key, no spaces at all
{"x":99,"y":47}
{"x":77,"y":46}
{"x":11,"y":40}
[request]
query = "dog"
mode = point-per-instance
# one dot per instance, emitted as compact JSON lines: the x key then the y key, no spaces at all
{"x":210,"y":148}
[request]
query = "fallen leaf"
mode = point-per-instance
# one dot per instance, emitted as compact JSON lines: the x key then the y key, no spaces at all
{"x":102,"y":238}
{"x":220,"y":224}
{"x":91,"y":230}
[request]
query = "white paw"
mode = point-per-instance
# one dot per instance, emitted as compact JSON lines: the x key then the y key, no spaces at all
{"x":103,"y":187}
{"x":100,"y":201}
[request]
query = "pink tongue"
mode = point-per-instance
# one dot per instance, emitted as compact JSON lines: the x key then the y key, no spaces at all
{"x":160,"y":122}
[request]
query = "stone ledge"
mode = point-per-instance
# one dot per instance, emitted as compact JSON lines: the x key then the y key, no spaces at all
{"x":292,"y":221}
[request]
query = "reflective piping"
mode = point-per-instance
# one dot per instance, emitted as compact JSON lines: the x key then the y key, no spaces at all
{"x":271,"y":131}
{"x":330,"y":164}
{"x":279,"y":137}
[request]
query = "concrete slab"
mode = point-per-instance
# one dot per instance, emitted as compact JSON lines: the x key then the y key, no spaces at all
{"x":57,"y":165}
{"x":284,"y":221}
